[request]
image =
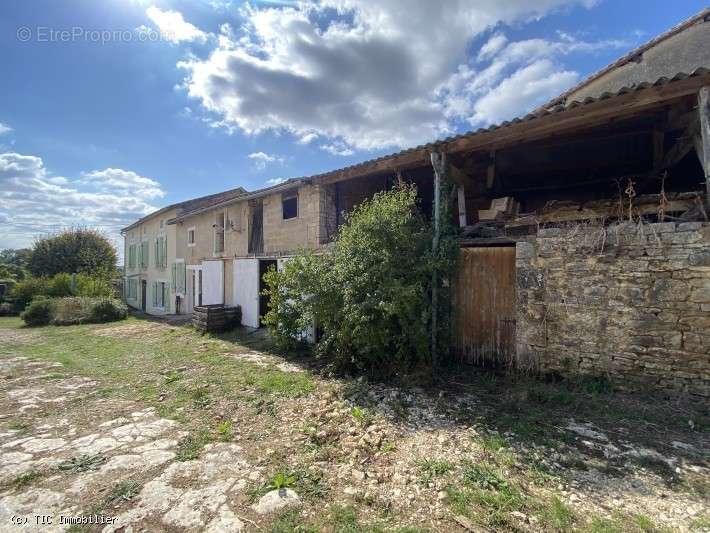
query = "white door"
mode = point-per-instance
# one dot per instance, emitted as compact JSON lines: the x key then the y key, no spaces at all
{"x":246,"y":290}
{"x":212,"y":282}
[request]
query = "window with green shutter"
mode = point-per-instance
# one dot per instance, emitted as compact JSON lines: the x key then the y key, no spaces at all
{"x":173,"y":278}
{"x":166,"y":296}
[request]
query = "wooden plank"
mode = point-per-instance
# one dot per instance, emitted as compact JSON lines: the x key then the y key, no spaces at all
{"x":462,"y":207}
{"x":491,"y":170}
{"x":484,"y":306}
{"x":704,"y":149}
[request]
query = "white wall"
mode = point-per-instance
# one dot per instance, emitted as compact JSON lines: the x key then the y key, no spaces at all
{"x":246,"y":290}
{"x":212,"y":282}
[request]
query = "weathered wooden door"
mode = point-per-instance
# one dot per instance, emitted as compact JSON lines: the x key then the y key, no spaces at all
{"x":484,"y":306}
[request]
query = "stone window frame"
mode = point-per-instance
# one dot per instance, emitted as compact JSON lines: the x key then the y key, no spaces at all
{"x":193,"y":242}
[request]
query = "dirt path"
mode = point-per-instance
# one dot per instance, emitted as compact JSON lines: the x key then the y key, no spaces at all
{"x":170,"y":431}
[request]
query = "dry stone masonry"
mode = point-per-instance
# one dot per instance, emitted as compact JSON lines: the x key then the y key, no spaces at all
{"x":629,"y":301}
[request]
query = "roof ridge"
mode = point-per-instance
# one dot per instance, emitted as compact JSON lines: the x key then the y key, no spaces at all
{"x":629,"y":56}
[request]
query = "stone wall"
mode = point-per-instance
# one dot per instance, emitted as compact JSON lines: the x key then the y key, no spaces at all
{"x":629,"y":301}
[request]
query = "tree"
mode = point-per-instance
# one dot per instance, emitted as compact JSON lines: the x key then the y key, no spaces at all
{"x":75,"y":250}
{"x":370,"y":296}
{"x":13,"y":263}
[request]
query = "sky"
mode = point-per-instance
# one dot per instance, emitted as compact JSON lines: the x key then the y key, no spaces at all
{"x":111,"y":109}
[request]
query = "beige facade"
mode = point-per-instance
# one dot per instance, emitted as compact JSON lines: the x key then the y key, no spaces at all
{"x":149,"y":252}
{"x":221,"y":234}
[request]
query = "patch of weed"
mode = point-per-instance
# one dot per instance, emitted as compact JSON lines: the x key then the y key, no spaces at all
{"x":361,"y":415}
{"x":432,"y":468}
{"x":18,"y":425}
{"x":482,"y":476}
{"x":26,"y":479}
{"x":388,"y":446}
{"x":224,"y":430}
{"x":557,"y":516}
{"x":123,"y":491}
{"x":172,"y":377}
{"x":83,"y":463}
{"x":189,"y":446}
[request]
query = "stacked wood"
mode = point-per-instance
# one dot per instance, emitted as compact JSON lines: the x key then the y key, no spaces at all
{"x":215,"y":318}
{"x":644,"y":205}
{"x":500,"y":208}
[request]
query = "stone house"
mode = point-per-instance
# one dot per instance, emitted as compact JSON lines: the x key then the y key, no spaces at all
{"x":584,"y":233}
{"x":150,"y":246}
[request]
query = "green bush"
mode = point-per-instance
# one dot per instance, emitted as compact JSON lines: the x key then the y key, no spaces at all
{"x":59,"y":286}
{"x":6,"y":309}
{"x":98,"y":285}
{"x":370,"y":295}
{"x":73,"y":310}
{"x":25,"y":291}
{"x":107,"y":310}
{"x":39,"y":312}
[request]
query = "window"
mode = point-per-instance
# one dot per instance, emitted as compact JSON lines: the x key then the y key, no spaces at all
{"x":161,"y":252}
{"x":132,"y":256}
{"x":289,"y":206}
{"x":160,"y":294}
{"x":132,"y":289}
{"x":191,"y":236}
{"x":143,"y":255}
{"x":179,"y":277}
{"x":219,"y":233}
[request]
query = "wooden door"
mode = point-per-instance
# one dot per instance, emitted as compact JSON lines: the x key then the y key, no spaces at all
{"x":484,"y":306}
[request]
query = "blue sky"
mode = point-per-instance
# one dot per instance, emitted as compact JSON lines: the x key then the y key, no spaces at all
{"x":185,"y":98}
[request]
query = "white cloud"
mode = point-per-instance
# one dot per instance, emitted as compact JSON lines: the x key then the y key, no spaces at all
{"x":367,"y":74}
{"x":262,"y":159}
{"x":4,"y":128}
{"x":275,"y":181}
{"x":512,"y":78}
{"x":337,"y":148}
{"x":492,"y":46}
{"x":33,"y":202}
{"x":173,"y":27}
{"x":526,"y":88}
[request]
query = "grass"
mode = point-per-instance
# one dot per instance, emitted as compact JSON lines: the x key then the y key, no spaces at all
{"x":429,"y":469}
{"x":26,"y":479}
{"x":511,"y":415}
{"x":190,"y":446}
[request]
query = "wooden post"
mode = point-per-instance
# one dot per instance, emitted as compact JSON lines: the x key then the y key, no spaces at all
{"x":462,"y":206}
{"x":491,"y":170}
{"x":438,"y":161}
{"x":703,"y":146}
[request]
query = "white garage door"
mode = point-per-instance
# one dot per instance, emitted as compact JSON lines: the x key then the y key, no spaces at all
{"x":212,"y":282}
{"x":246,"y":290}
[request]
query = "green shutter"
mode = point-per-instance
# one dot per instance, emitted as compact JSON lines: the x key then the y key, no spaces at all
{"x":165,"y":252}
{"x":172,"y":276}
{"x":183,"y":278}
{"x":166,"y":297}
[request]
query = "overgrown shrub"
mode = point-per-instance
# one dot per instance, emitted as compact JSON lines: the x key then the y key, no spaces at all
{"x":73,"y":310}
{"x":98,"y":285}
{"x":106,"y":310}
{"x":25,"y":291}
{"x":6,"y":309}
{"x":39,"y":312}
{"x":70,"y":311}
{"x":370,"y":296}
